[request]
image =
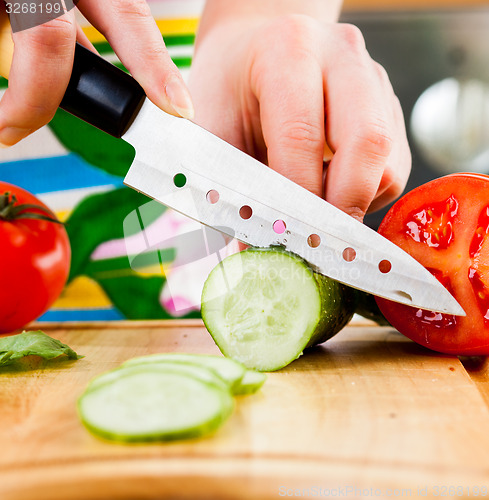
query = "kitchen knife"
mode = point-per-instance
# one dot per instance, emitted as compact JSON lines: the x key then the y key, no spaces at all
{"x":194,"y":172}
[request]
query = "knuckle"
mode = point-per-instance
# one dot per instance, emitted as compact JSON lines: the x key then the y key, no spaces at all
{"x":55,"y":35}
{"x":352,"y":37}
{"x":382,"y":73}
{"x":39,"y":114}
{"x":376,"y":141}
{"x":28,"y":116}
{"x":396,"y":103}
{"x":132,"y":8}
{"x":302,"y":136}
{"x":398,"y":111}
{"x":296,"y":25}
{"x":298,"y":37}
{"x":155,"y":52}
{"x":295,"y":32}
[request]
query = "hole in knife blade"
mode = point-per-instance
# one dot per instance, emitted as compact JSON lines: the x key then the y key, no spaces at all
{"x":349,"y":254}
{"x":314,"y":240}
{"x":385,"y":266}
{"x":279,"y":226}
{"x":212,"y":196}
{"x":245,"y":212}
{"x":179,"y":180}
{"x":403,"y":295}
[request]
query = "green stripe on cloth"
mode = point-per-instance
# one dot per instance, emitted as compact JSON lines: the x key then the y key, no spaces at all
{"x":180,"y":62}
{"x":170,"y":41}
{"x":105,"y":48}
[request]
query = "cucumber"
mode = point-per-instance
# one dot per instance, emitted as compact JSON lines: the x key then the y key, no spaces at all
{"x":199,"y":372}
{"x":227,"y":369}
{"x":250,"y":383}
{"x":263,"y":307}
{"x":240,"y":380}
{"x":165,"y":396}
{"x":367,"y":308}
{"x":145,"y":403}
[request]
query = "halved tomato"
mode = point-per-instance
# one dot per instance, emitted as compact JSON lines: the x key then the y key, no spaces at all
{"x":444,"y":225}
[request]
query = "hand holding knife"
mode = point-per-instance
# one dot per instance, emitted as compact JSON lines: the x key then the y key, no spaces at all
{"x":179,"y":164}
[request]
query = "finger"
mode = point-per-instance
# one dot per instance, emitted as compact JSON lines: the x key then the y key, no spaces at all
{"x":40,"y":72}
{"x":292,"y":118}
{"x":83,"y":39}
{"x":398,"y":167}
{"x":131,"y":30}
{"x":359,"y":126}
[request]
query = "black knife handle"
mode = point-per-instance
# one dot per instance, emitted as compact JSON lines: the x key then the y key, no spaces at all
{"x":102,"y":94}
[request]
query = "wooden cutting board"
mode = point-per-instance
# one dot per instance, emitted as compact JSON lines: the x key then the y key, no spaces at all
{"x":368,"y":414}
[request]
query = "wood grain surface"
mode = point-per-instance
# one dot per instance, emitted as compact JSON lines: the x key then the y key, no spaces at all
{"x":368,"y":414}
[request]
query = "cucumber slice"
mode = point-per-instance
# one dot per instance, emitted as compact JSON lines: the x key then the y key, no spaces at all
{"x":263,"y":307}
{"x":229,"y":370}
{"x":250,"y":383}
{"x":148,"y":403}
{"x":199,"y":372}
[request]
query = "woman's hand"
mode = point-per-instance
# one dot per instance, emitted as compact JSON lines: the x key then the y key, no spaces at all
{"x":43,"y":59}
{"x":284,"y":87}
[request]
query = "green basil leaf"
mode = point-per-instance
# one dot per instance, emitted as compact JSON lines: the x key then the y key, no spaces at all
{"x":35,"y":343}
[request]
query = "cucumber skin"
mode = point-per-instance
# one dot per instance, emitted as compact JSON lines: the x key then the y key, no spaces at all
{"x":250,"y":388}
{"x":338,"y":304}
{"x":112,"y":375}
{"x":211,"y":426}
{"x":338,"y":301}
{"x":202,"y":431}
{"x":188,"y":359}
{"x":367,"y":308}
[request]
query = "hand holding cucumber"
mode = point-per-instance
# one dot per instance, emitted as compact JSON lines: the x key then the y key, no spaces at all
{"x":293,"y":87}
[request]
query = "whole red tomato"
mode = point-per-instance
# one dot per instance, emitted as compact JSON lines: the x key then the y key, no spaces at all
{"x":35,"y":257}
{"x":444,"y":225}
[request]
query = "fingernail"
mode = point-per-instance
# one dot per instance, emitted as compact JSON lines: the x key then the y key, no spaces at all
{"x":327,"y":153}
{"x":12,"y":135}
{"x":179,"y":98}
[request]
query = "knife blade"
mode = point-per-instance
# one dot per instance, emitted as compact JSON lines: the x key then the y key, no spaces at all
{"x":194,"y":172}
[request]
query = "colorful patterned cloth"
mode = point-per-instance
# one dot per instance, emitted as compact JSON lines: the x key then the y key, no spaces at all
{"x":78,"y":172}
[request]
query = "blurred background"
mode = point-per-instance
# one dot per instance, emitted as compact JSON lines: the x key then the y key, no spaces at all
{"x":436,"y":53}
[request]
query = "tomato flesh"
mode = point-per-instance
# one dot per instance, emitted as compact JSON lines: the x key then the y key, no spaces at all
{"x":479,"y":270}
{"x":433,"y":318}
{"x":432,"y":224}
{"x":444,"y":224}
